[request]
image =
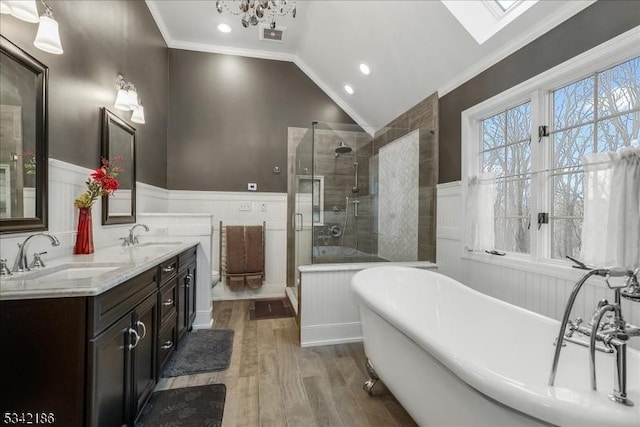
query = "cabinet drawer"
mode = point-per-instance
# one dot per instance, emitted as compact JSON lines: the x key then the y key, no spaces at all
{"x":167,"y":341}
{"x":107,"y":308}
{"x":187,"y":257}
{"x":168,"y":270}
{"x":168,"y":300}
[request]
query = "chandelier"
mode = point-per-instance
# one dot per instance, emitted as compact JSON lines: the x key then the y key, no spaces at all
{"x":254,"y":11}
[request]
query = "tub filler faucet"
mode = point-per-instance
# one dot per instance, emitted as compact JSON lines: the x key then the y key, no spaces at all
{"x":610,"y":336}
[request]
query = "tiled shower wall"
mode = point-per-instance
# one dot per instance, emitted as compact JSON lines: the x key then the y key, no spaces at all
{"x":398,"y":199}
{"x":423,"y":116}
{"x":339,"y":181}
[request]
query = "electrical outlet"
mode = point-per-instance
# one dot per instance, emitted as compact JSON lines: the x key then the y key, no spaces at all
{"x":263,"y":207}
{"x":245,"y":206}
{"x":161,"y":231}
{"x":252,"y":186}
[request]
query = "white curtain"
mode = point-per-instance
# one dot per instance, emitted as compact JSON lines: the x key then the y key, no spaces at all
{"x":479,"y":224}
{"x":611,"y":227}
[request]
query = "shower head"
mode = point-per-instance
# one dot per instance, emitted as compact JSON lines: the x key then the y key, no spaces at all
{"x":342,"y":148}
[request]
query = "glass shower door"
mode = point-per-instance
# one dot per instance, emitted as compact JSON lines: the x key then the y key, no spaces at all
{"x":303,"y":215}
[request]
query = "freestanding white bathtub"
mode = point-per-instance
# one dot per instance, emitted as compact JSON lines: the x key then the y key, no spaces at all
{"x":455,"y":357}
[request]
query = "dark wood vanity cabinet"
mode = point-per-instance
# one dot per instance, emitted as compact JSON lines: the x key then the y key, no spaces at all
{"x":94,"y":361}
{"x":186,"y":283}
{"x":122,"y":358}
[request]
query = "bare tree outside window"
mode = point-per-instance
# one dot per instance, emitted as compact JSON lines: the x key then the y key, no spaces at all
{"x":597,"y":114}
{"x":507,"y":152}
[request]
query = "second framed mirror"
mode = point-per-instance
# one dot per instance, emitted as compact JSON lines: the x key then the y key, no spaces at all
{"x":119,"y":147}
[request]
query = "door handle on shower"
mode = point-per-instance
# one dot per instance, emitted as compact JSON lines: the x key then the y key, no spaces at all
{"x":295,"y":223}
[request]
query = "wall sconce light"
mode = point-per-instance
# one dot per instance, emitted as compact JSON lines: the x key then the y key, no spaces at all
{"x":48,"y":36}
{"x":138,"y":114}
{"x":127,"y":99}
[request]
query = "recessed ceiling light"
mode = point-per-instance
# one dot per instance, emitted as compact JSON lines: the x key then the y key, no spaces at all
{"x":224,"y":28}
{"x":348,"y":89}
{"x":365,"y":69}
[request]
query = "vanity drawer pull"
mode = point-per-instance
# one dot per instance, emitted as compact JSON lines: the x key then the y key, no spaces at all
{"x":168,"y":269}
{"x":188,"y":281}
{"x":167,"y":345}
{"x":168,"y":302}
{"x":136,"y":337}
{"x":144,"y":329}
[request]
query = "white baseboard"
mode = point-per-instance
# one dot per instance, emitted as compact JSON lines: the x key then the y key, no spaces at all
{"x":204,"y":319}
{"x":331,"y":334}
{"x":221,"y":292}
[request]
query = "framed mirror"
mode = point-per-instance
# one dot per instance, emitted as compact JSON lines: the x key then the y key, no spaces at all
{"x":119,"y":146}
{"x":23,"y":140}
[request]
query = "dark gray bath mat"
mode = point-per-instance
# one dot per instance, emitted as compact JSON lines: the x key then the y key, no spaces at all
{"x":270,"y":309}
{"x":201,"y":406}
{"x":203,"y":350}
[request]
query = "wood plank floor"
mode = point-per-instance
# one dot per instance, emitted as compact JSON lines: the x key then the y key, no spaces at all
{"x":272,"y":381}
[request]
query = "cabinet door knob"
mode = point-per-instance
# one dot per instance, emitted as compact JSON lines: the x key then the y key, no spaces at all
{"x":188,"y":281}
{"x":144,"y":329}
{"x":167,"y":269}
{"x":136,"y":337}
{"x":168,"y":302}
{"x":166,"y":345}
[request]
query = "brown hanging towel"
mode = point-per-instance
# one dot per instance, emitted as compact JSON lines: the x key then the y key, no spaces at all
{"x":235,"y":257}
{"x":254,"y":255}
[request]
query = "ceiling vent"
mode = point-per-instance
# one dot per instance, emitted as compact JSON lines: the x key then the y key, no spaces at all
{"x":278,"y":34}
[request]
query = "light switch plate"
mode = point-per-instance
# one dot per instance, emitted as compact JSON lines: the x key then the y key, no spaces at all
{"x":252,"y":186}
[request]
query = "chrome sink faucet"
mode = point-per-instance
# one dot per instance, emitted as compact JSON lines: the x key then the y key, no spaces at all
{"x":612,"y":335}
{"x":21,"y":263}
{"x":132,"y":239}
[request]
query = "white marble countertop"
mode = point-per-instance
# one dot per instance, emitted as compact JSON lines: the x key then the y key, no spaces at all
{"x":89,"y":275}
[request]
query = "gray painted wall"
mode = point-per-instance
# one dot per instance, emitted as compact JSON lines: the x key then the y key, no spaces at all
{"x":596,"y":24}
{"x":229,"y":117}
{"x":101,"y":39}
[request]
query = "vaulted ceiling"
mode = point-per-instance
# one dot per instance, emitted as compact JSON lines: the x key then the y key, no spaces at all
{"x":414,"y":48}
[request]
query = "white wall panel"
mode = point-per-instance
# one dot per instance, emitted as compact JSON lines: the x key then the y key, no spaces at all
{"x":329,"y":313}
{"x":542,"y":290}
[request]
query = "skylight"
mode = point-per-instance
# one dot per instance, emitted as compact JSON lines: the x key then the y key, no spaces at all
{"x":483,"y":19}
{"x":505,"y":4}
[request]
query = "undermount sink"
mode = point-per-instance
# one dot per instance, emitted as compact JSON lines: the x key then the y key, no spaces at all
{"x":145,"y":244}
{"x":72,"y":271}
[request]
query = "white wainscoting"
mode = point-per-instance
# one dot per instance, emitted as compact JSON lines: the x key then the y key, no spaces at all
{"x":67,"y":182}
{"x":329,"y":313}
{"x":541,"y":289}
{"x":225,"y":207}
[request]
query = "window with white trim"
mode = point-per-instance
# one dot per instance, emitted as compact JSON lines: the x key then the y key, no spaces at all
{"x":599,"y":113}
{"x":540,"y":170}
{"x":506,"y":151}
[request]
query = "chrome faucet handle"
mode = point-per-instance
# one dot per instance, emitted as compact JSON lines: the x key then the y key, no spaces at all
{"x":4,"y":270}
{"x":632,"y":290}
{"x":37,"y":260}
{"x":125,"y":241}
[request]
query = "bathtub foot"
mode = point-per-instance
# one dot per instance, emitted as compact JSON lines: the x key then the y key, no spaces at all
{"x":373,"y":378}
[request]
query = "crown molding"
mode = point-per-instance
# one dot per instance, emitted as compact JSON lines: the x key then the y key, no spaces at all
{"x":227,"y":50}
{"x":155,"y":13}
{"x":567,"y":11}
{"x":333,"y":95}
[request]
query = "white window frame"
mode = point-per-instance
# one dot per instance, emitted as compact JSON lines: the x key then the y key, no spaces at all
{"x":539,"y":91}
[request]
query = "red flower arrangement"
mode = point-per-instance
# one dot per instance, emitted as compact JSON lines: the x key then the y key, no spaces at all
{"x":102,"y":182}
